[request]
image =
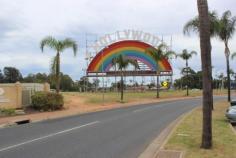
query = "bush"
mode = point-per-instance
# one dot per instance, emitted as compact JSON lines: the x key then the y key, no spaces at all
{"x":7,"y":112}
{"x":47,"y":101}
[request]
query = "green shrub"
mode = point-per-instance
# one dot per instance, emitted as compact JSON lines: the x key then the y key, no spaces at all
{"x":47,"y":101}
{"x":39,"y":100}
{"x":7,"y":112}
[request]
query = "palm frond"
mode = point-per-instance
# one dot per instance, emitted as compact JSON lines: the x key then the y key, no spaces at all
{"x":214,"y":23}
{"x":157,"y":53}
{"x":185,"y":55}
{"x":193,"y":53}
{"x":162,"y":46}
{"x":233,"y":55}
{"x":122,"y":62}
{"x":170,"y":54}
{"x":152,"y":52}
{"x":50,"y":42}
{"x":70,"y":43}
{"x":134,"y":63}
{"x":226,"y":15}
{"x":191,"y":25}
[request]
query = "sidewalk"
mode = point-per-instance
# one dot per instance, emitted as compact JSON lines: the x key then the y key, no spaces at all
{"x":75,"y":107}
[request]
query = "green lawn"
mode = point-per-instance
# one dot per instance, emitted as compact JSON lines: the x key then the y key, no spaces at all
{"x":114,"y":97}
{"x":187,"y":136}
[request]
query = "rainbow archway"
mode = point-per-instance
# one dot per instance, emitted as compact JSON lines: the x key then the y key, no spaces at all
{"x":131,"y":49}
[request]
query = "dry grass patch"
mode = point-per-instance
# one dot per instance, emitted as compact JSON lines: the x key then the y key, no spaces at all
{"x":114,"y":97}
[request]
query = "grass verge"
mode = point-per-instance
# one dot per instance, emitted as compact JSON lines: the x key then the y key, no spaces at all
{"x":7,"y":112}
{"x":187,"y":136}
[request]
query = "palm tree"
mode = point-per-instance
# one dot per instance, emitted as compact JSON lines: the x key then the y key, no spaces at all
{"x":122,"y":63}
{"x":223,"y":28}
{"x":226,"y":31}
{"x":159,"y":54}
{"x":185,"y":55}
{"x":221,"y":78}
{"x":59,"y":46}
{"x":232,"y":57}
{"x":205,"y":44}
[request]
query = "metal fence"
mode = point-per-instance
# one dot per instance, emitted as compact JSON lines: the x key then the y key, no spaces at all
{"x":29,"y":89}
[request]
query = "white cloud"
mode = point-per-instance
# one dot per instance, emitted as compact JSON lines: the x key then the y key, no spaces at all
{"x":24,"y":23}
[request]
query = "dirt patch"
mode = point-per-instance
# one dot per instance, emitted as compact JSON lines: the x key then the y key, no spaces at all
{"x":76,"y":105}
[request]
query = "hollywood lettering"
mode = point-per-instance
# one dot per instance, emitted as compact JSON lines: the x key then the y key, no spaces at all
{"x":126,"y":35}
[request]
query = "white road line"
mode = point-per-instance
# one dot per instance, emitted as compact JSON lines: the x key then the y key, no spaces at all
{"x":152,"y":107}
{"x":47,"y":136}
{"x":143,"y":109}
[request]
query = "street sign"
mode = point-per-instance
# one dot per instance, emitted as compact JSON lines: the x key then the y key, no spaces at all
{"x":165,"y":84}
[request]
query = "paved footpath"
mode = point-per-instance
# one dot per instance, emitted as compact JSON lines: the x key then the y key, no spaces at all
{"x":117,"y":133}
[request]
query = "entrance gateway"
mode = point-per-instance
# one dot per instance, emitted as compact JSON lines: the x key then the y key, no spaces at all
{"x":131,"y":44}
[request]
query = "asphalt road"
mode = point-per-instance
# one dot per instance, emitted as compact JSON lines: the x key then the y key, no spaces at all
{"x":118,"y":133}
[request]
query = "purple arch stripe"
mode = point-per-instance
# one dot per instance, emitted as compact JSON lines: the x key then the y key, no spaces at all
{"x":136,"y":58}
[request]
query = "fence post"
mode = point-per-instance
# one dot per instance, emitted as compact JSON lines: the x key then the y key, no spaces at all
{"x":46,"y":87}
{"x":18,"y":95}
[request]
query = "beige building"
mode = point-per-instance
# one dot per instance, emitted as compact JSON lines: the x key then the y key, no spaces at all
{"x":18,"y":95}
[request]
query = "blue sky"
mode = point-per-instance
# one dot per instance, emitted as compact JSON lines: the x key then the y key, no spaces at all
{"x":23,"y":23}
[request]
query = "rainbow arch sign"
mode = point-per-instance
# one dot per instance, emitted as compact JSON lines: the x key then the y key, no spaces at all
{"x":132,"y":49}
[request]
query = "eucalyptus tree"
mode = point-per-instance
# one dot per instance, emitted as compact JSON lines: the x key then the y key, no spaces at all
{"x":159,"y":54}
{"x":122,"y":62}
{"x":59,"y":46}
{"x":205,"y":33}
{"x":12,"y":75}
{"x":226,"y":30}
{"x":1,"y":77}
{"x":185,"y":55}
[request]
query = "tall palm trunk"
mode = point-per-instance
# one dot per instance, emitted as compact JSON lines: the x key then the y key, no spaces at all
{"x":227,"y":52}
{"x":187,"y":78}
{"x":58,"y":73}
{"x":116,"y":86}
{"x":122,"y":87}
{"x":205,"y":44}
{"x":158,"y":93}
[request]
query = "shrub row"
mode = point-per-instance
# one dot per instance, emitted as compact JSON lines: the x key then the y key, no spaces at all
{"x":7,"y":112}
{"x":47,"y":101}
